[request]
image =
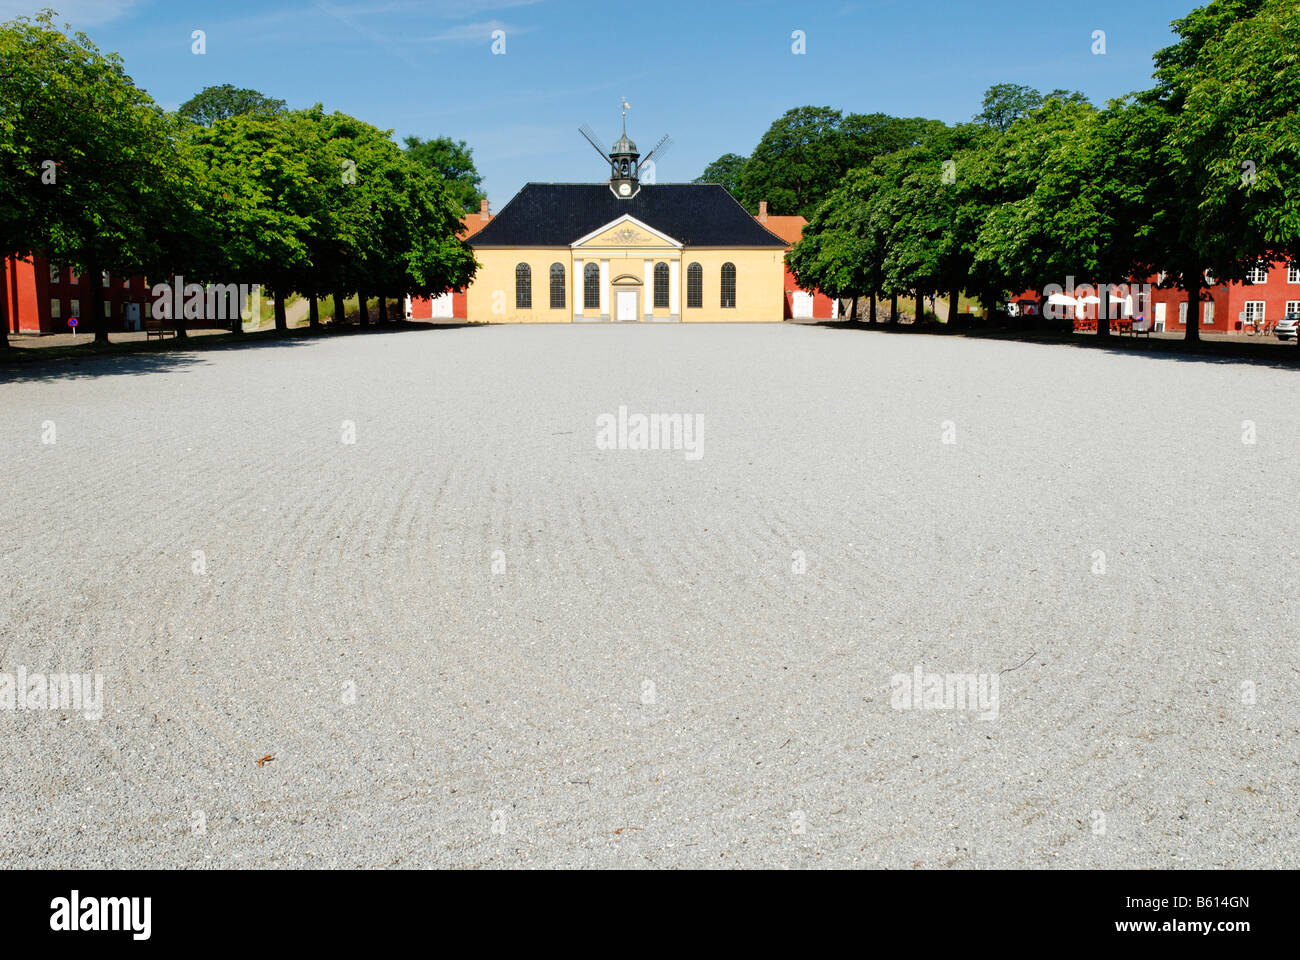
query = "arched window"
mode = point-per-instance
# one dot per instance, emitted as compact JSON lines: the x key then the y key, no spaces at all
{"x":728,"y":285}
{"x":695,"y":286}
{"x":523,"y":287}
{"x":661,"y":286}
{"x":591,"y":287}
{"x":557,"y":286}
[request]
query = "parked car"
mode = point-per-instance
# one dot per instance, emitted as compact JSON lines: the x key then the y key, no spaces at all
{"x":1286,"y":327}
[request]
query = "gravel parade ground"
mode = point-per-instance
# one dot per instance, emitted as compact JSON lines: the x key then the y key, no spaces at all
{"x":474,"y":638}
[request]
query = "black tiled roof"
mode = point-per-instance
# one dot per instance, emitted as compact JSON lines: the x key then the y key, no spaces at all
{"x":557,"y":214}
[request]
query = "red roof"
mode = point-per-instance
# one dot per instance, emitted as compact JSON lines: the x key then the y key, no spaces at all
{"x":472,"y":224}
{"x":789,"y":229}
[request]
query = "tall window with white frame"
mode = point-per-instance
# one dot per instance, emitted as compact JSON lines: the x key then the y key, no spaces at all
{"x":523,"y":287}
{"x":1293,"y":308}
{"x":695,"y":287}
{"x":591,"y":287}
{"x":728,"y":286}
{"x":1293,"y":273}
{"x":1257,"y":274}
{"x":661,"y":286}
{"x":1254,"y":312}
{"x":557,"y":286}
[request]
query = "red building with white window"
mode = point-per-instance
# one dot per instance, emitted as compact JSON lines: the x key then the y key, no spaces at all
{"x":41,"y":298}
{"x":452,"y":305}
{"x":800,"y":304}
{"x":1271,"y":292}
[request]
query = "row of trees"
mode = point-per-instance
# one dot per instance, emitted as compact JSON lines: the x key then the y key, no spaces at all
{"x":804,"y":155}
{"x":232,"y":188}
{"x":1199,"y":174}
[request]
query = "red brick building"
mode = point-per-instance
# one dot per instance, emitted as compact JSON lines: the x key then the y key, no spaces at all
{"x":1270,"y":293}
{"x":41,"y":298}
{"x":452,"y":305}
{"x":800,"y":304}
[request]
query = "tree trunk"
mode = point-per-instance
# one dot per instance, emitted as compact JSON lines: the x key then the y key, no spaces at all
{"x":920,"y":306}
{"x":954,"y":307}
{"x":340,"y":314}
{"x":363,"y":317}
{"x":281,"y":320}
{"x":178,"y":321}
{"x":873,"y":306}
{"x":4,"y":304}
{"x":94,"y":277}
{"x":893,"y":308}
{"x":313,"y":312}
{"x":383,"y":310}
{"x":1192,"y":280}
{"x":1103,"y":311}
{"x":853,"y":311}
{"x":254,"y":309}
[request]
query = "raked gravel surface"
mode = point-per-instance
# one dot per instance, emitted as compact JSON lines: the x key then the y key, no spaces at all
{"x":649,"y":681}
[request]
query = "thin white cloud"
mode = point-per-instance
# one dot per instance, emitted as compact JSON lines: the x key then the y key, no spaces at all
{"x":474,"y":32}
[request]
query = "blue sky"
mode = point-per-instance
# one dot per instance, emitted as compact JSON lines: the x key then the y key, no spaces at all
{"x":713,"y":73}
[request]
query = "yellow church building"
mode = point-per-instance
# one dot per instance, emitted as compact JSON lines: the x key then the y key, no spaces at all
{"x":625,"y":251}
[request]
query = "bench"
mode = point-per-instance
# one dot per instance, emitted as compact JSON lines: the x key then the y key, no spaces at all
{"x":154,"y":326}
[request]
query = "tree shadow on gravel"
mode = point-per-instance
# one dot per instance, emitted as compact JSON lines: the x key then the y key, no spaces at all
{"x":140,"y":358}
{"x":1282,"y":356}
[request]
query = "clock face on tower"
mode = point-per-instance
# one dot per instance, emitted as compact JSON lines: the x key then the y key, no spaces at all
{"x":625,"y":188}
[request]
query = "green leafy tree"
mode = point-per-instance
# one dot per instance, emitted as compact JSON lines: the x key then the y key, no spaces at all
{"x":1205,"y":195}
{"x":1080,"y":184}
{"x":805,"y":154}
{"x":796,"y":164}
{"x":388,"y":225}
{"x":213,"y":104}
{"x":1232,"y":86}
{"x":725,"y":170}
{"x":452,"y":162}
{"x":266,"y":177}
{"x":1005,"y":103}
{"x":91,"y":166}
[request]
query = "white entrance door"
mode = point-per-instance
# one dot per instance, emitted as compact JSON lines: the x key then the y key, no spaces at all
{"x":802,"y":307}
{"x":627,"y":306}
{"x":131,"y":319}
{"x":442,"y":307}
{"x":1160,"y":318}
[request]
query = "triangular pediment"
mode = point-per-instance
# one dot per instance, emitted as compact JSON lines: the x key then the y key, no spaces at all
{"x":628,"y":231}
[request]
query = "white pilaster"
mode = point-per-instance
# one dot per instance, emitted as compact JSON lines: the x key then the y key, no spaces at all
{"x":604,"y":289}
{"x":647,"y":291}
{"x":577,"y":290}
{"x":674,"y":294}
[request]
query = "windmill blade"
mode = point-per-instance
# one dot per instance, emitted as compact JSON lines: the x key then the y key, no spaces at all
{"x":659,"y":149}
{"x":594,"y":140}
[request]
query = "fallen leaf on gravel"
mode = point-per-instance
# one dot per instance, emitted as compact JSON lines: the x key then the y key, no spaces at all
{"x":621,"y":829}
{"x":265,"y":760}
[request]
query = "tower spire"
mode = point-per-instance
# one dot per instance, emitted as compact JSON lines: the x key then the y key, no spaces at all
{"x":623,"y":162}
